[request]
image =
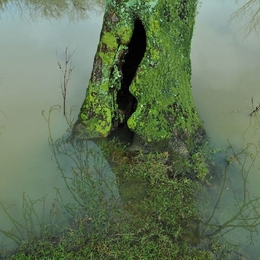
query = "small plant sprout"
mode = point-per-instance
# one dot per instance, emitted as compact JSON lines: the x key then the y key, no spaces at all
{"x":66,"y":71}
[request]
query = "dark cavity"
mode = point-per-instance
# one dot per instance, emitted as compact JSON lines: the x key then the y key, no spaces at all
{"x":136,"y":49}
{"x":127,"y":103}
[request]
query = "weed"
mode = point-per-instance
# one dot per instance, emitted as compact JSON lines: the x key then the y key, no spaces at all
{"x":66,"y":71}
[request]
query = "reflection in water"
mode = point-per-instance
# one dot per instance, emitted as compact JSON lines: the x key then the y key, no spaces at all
{"x":244,"y":208}
{"x":29,"y":84}
{"x":249,"y":12}
{"x":235,"y":215}
{"x":83,"y":167}
{"x":225,"y":72}
{"x":225,"y":79}
{"x":2,"y":119}
{"x":90,"y":190}
{"x":31,"y":9}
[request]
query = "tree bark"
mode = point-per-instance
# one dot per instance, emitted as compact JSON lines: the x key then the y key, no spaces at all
{"x":141,"y":75}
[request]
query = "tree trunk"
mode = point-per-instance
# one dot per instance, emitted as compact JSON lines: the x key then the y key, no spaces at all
{"x":141,"y":74}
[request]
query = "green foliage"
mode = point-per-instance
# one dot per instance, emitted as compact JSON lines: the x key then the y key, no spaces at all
{"x":200,"y":162}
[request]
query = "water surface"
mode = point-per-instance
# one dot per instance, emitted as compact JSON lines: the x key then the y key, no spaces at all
{"x":30,"y":83}
{"x":225,"y":79}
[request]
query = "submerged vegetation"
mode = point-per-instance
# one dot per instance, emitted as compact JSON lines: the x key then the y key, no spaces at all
{"x":154,"y":216}
{"x":117,"y":204}
{"x":143,"y":207}
{"x":234,"y":218}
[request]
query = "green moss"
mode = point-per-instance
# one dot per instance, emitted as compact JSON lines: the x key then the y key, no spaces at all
{"x":109,"y":40}
{"x":124,"y":33}
{"x":131,"y":122}
{"x":104,"y":86}
{"x":165,"y":107}
{"x":107,"y":57}
{"x":154,"y":26}
{"x":97,"y":128}
{"x":97,"y":121}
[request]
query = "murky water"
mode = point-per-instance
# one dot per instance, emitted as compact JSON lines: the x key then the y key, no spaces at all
{"x":225,"y":72}
{"x":225,"y":79}
{"x":29,"y":84}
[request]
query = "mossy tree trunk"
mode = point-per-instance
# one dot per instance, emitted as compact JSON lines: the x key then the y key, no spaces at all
{"x":141,"y":73}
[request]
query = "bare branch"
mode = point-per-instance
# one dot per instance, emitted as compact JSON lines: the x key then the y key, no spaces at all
{"x":250,"y":12}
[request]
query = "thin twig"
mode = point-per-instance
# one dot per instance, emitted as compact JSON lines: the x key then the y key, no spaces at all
{"x":66,"y":71}
{"x":257,"y":108}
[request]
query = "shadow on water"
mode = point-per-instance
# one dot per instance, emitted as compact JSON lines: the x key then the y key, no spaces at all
{"x":232,"y":214}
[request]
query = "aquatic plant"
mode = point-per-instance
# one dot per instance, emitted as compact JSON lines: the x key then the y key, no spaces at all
{"x":149,"y":219}
{"x":66,"y":71}
{"x":25,"y":230}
